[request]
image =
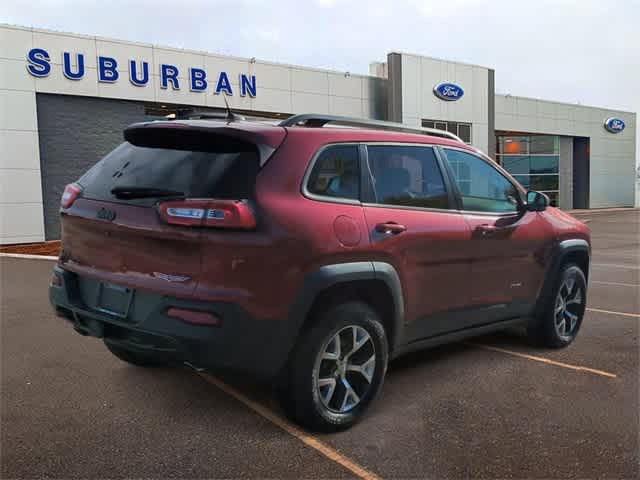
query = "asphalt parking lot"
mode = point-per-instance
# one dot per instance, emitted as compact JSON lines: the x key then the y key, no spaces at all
{"x":493,"y":407}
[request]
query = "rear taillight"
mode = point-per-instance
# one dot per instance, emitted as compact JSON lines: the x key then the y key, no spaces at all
{"x":71,"y":192}
{"x":208,"y":213}
{"x":56,"y":281}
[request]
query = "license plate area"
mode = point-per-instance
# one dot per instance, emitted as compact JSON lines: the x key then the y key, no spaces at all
{"x":114,"y":299}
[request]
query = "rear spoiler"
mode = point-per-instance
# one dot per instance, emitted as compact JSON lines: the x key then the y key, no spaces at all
{"x":205,"y":135}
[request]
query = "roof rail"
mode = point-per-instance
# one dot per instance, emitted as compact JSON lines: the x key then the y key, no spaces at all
{"x":320,"y":120}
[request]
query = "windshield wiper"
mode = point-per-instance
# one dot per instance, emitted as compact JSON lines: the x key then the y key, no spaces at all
{"x":144,"y":192}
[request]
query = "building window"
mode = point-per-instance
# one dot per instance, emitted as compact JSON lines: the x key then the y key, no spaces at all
{"x":533,"y":160}
{"x":462,"y":130}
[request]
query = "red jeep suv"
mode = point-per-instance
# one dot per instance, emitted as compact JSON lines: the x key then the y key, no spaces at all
{"x":309,"y":253}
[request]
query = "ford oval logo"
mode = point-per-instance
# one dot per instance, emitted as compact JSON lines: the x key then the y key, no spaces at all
{"x":614,"y":125}
{"x":448,"y":91}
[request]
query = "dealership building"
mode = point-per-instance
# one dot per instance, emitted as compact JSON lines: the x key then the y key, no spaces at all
{"x":65,"y":98}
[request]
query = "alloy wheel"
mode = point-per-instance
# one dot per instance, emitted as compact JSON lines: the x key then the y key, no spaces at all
{"x":568,"y":307}
{"x":345,"y":368}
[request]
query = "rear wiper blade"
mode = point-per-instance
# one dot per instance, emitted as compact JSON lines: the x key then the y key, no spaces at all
{"x":144,"y":192}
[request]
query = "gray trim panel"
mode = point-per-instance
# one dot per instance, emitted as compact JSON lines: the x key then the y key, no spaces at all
{"x":491,"y":140}
{"x":394,"y":69}
{"x":574,"y":244}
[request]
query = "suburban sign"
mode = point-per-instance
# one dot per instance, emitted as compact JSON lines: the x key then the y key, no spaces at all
{"x":614,"y":125}
{"x":109,"y":71}
{"x":448,"y":91}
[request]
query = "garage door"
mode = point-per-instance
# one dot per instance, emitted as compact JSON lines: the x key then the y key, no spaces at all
{"x":76,"y":132}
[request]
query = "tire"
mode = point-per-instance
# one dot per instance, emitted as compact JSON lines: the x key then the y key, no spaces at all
{"x":307,"y":395}
{"x":134,"y":358}
{"x":559,"y":321}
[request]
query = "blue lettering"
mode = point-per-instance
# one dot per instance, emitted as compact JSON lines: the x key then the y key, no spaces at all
{"x":107,"y":69}
{"x":247,"y":85}
{"x":68,"y":71}
{"x":224,"y":84}
{"x":39,"y":65}
{"x":133,"y":73}
{"x":169,"y":73}
{"x":198,"y":82}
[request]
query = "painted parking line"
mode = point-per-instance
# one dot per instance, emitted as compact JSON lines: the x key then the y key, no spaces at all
{"x":616,"y":265}
{"x":291,"y":429}
{"x":618,"y":255}
{"x":548,"y":361}
{"x":617,"y":284}
{"x":612,"y":312}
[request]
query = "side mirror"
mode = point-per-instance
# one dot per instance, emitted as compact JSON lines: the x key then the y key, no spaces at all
{"x":536,"y":201}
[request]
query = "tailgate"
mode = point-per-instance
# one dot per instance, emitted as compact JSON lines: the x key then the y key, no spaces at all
{"x":130,"y":247}
{"x":136,"y":218}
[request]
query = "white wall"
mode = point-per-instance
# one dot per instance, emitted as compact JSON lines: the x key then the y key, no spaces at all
{"x":612,"y":156}
{"x":421,"y":74}
{"x":20,"y":187}
{"x":280,"y":88}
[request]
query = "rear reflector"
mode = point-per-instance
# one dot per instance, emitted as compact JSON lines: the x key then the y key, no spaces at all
{"x":208,"y":213}
{"x":194,"y":317}
{"x":71,"y":192}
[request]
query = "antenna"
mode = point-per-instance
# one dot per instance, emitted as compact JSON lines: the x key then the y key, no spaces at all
{"x":231,"y":117}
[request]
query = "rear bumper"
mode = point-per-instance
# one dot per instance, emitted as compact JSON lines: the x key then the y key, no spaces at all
{"x":243,"y":343}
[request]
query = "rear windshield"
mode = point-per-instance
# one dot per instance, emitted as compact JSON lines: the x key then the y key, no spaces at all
{"x":226,"y":174}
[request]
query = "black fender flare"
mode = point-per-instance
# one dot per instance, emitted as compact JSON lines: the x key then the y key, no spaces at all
{"x":558,"y":254}
{"x":334,"y":274}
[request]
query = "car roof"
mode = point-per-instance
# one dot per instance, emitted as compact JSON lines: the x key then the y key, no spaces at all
{"x":271,"y":133}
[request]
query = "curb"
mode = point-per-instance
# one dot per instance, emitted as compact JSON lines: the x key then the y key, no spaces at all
{"x":28,"y":257}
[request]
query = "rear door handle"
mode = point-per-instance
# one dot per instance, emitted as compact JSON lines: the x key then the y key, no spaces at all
{"x":390,"y":228}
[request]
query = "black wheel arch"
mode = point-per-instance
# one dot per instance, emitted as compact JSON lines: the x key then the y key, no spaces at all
{"x":341,"y":280}
{"x":574,"y":250}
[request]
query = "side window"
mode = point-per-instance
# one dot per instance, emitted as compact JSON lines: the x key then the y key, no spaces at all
{"x":336,"y":173}
{"x":482,"y":187}
{"x":407,"y":175}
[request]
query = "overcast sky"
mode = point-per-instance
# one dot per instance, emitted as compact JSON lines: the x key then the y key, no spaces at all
{"x":583,"y":51}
